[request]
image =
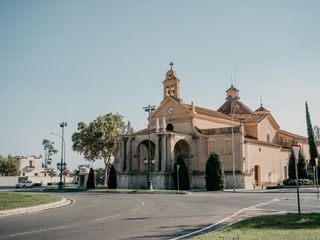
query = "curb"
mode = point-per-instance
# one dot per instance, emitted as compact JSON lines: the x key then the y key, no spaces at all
{"x":42,"y":207}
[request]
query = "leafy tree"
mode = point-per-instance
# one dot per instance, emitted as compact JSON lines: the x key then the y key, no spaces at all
{"x":302,"y":166}
{"x":90,"y":182}
{"x":184,"y":181}
{"x":112,"y":182}
{"x":96,"y":140}
{"x":52,"y":173}
{"x":49,"y":151}
{"x":9,"y":166}
{"x":214,"y":173}
{"x":312,"y":145}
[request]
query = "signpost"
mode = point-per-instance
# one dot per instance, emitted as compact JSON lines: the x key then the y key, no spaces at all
{"x":296,"y":154}
{"x":316,"y":177}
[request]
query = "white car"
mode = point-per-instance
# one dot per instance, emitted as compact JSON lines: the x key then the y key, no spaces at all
{"x":24,"y":184}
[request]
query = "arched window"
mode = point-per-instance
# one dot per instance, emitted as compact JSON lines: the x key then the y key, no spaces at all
{"x":170,"y":127}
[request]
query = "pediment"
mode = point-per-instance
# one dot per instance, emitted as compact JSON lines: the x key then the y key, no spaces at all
{"x":170,"y":107}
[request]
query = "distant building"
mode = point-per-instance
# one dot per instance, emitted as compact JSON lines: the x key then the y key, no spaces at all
{"x":31,"y":166}
{"x":259,"y":146}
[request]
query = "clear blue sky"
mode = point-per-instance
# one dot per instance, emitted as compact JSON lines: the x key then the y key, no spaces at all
{"x":75,"y":60}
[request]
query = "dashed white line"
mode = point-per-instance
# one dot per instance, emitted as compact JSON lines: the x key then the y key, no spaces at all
{"x":37,"y":231}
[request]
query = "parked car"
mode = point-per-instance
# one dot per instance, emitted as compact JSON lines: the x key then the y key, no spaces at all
{"x":24,"y":184}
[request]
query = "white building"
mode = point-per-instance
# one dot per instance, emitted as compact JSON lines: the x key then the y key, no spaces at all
{"x":31,"y":166}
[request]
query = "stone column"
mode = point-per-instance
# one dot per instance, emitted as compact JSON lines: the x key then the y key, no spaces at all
{"x":124,"y":154}
{"x":163,"y":152}
{"x":156,"y":152}
{"x":128,"y":155}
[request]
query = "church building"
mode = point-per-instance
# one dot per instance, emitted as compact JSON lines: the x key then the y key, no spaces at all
{"x":251,"y":144}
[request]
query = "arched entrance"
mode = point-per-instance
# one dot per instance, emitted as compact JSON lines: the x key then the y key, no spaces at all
{"x":143,"y":155}
{"x":182,"y":149}
{"x":257,"y":175}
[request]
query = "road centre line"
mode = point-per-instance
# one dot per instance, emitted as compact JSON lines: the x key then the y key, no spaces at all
{"x":37,"y":231}
{"x":116,"y":215}
{"x":224,"y":220}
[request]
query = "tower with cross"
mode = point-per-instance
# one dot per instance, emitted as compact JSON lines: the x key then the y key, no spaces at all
{"x":171,"y":85}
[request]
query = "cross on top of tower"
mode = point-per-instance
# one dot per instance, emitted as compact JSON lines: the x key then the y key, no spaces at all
{"x":171,"y":64}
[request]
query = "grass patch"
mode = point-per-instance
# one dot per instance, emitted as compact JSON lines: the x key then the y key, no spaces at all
{"x":11,"y":200}
{"x":284,"y":227}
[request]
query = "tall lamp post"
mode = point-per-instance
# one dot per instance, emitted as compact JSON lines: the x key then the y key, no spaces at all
{"x":149,"y":109}
{"x":62,"y":164}
{"x":316,"y":176}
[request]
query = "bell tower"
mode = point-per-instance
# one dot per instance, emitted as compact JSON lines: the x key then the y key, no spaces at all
{"x":171,"y":85}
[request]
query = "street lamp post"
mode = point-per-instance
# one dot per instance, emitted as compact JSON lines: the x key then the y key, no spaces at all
{"x":61,"y":166}
{"x":149,"y":109}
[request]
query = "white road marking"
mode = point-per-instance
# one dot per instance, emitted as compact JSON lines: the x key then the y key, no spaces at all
{"x":224,"y":220}
{"x":116,"y":215}
{"x":37,"y":231}
{"x":104,"y":218}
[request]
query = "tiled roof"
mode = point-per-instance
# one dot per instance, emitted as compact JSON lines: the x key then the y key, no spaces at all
{"x":234,"y":106}
{"x":255,"y":119}
{"x":210,"y":112}
{"x":292,"y":134}
{"x":262,"y":109}
{"x":232,"y":88}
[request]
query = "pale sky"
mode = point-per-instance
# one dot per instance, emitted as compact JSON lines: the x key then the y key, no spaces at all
{"x":75,"y":60}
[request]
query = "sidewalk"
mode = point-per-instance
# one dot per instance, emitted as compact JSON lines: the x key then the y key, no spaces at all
{"x":42,"y":207}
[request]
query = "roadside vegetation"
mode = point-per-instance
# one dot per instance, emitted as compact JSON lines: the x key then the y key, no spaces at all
{"x":275,"y":227}
{"x":11,"y":200}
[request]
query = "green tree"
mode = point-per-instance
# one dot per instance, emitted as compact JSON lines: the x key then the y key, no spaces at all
{"x":112,"y":182}
{"x":49,"y":151}
{"x":312,"y":145}
{"x":90,"y":182}
{"x":184,"y":181}
{"x":302,"y":166}
{"x":214,"y":173}
{"x":52,"y":173}
{"x":96,"y":140}
{"x":9,"y":166}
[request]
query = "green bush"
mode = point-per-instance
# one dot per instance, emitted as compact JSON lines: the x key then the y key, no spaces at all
{"x":112,"y":180}
{"x":214,"y":173}
{"x":90,"y":182}
{"x":184,"y":181}
{"x":293,"y":182}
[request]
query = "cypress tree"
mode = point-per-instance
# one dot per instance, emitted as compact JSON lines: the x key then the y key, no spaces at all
{"x":90,"y":182}
{"x":112,"y":181}
{"x":312,"y":145}
{"x":214,"y":173}
{"x":292,"y":171}
{"x":184,"y":181}
{"x":302,"y":166}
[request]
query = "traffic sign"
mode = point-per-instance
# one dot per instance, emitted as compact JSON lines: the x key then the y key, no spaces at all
{"x":296,"y":151}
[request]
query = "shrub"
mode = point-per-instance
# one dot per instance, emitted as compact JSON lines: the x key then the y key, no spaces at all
{"x":112,"y":181}
{"x":184,"y":181}
{"x":214,"y":173}
{"x":90,"y":182}
{"x":293,"y":182}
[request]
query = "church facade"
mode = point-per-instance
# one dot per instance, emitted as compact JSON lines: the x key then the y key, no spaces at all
{"x":252,"y":146}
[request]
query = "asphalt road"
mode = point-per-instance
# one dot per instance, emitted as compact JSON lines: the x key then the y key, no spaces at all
{"x":145,"y":216}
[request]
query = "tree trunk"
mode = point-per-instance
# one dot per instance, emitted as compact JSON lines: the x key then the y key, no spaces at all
{"x":106,"y":172}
